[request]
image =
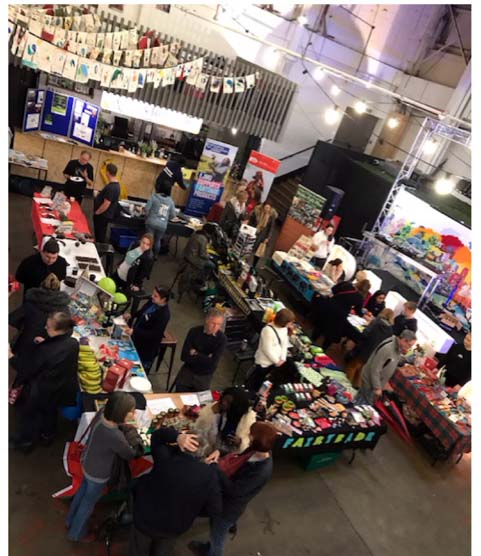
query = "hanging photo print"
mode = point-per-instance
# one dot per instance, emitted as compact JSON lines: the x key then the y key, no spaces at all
{"x":158,"y":78}
{"x":128,"y":58}
{"x":106,"y":77}
{"x":58,"y":61}
{"x":116,"y":40}
{"x":95,"y":70}
{"x":155,"y":56}
{"x":60,"y":37}
{"x":215,"y":84}
{"x":108,"y":40}
{"x":82,"y":38}
{"x":124,"y":40}
{"x":83,"y":50}
{"x":146,"y":60}
{"x":100,"y":42}
{"x":117,"y":79}
{"x":117,"y":57}
{"x":202,"y":81}
{"x":82,"y":74}
{"x":228,"y":85}
{"x":150,"y":76}
{"x":169,"y":77}
{"x":45,"y":57}
{"x":250,"y":81}
{"x":133,"y":38}
{"x":107,"y":56}
{"x":30,"y":54}
{"x":133,"y":82}
{"x":70,"y":67}
{"x":141,"y":78}
{"x":72,"y":36}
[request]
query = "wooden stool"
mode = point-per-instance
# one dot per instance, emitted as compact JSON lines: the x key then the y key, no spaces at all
{"x":169,"y":341}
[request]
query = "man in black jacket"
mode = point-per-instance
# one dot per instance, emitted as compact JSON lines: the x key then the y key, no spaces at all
{"x":201,"y":353}
{"x":406,"y":320}
{"x":35,"y":268}
{"x":49,"y":380}
{"x":179,"y":488}
{"x":170,"y":175}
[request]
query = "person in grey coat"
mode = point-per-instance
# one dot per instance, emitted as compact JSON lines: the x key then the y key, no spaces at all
{"x":382,"y":364}
{"x":160,"y":208}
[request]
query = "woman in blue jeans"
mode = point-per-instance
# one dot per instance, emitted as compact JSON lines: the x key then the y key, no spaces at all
{"x":109,"y":437}
{"x":239,"y":488}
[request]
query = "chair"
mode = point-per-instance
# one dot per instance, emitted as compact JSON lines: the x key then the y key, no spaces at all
{"x":169,"y":341}
{"x":106,"y":250}
{"x":242,"y":357}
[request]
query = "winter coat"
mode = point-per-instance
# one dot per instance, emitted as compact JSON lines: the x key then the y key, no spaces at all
{"x":51,"y":372}
{"x":31,"y":317}
{"x":381,"y":365}
{"x":209,"y":421}
{"x":195,"y":252}
{"x":158,"y":211}
{"x":149,"y":329}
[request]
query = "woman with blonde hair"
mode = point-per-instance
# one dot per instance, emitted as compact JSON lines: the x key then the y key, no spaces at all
{"x":136,"y":266}
{"x":263,"y":219}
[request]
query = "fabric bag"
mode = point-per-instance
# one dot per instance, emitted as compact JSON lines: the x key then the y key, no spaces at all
{"x":232,"y":463}
{"x":261,"y":250}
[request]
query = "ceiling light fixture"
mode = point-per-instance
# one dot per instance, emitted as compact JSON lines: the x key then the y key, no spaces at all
{"x":444,"y":185}
{"x":302,"y":20}
{"x":332,"y":115}
{"x":360,"y":107}
{"x":430,"y":146}
{"x":392,"y":123}
{"x":335,"y":90}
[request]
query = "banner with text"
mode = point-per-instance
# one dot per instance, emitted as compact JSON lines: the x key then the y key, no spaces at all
{"x":259,"y":173}
{"x":212,"y":173}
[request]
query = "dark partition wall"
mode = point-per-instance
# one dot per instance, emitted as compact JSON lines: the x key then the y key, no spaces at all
{"x":20,"y":79}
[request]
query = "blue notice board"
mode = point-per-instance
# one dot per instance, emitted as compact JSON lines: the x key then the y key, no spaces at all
{"x":57,"y":113}
{"x":84,"y":121}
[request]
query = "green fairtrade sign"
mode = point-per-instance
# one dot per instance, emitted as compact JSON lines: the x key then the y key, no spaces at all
{"x":333,"y":438}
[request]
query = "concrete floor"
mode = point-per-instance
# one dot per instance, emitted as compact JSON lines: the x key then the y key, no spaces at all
{"x":388,"y":502}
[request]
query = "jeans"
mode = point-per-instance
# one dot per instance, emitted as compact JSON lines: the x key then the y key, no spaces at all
{"x":82,"y":507}
{"x":158,"y":235}
{"x":219,"y":529}
{"x":365,"y":396}
{"x":143,"y":545}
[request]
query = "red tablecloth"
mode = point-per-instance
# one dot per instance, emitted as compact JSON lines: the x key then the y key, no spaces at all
{"x":41,"y":229}
{"x":456,"y":439}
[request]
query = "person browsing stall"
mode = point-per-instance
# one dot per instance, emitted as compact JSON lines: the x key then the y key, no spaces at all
{"x":136,"y":266}
{"x":48,"y":380}
{"x":382,"y":364}
{"x":263,"y":219}
{"x":83,"y":173}
{"x":406,"y":320}
{"x":335,"y":271}
{"x":34,"y":269}
{"x":233,"y":212}
{"x":227,"y":423}
{"x":457,"y":362}
{"x":110,"y":436}
{"x":241,"y":481}
{"x":160,"y":208}
{"x":179,"y":488}
{"x":171,"y":175}
{"x":322,"y":244}
{"x":272,"y":349}
{"x":148,"y":326}
{"x":376,"y":303}
{"x":201,"y":353}
{"x":105,"y":204}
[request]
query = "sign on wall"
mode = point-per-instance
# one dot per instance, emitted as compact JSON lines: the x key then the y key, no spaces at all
{"x":259,"y":173}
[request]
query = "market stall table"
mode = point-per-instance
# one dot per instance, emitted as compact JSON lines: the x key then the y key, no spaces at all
{"x":421,"y":398}
{"x":18,"y":158}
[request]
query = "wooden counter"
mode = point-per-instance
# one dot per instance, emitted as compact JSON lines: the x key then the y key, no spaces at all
{"x":136,"y":173}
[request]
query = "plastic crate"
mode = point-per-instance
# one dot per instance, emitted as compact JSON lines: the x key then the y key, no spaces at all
{"x":316,"y":461}
{"x":122,"y":237}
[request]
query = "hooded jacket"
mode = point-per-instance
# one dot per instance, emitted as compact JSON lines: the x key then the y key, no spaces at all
{"x":31,"y":317}
{"x":158,"y":211}
{"x":375,"y":333}
{"x":381,"y":365}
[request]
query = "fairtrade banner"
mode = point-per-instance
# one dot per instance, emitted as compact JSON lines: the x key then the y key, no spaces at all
{"x":259,"y":173}
{"x":212,"y":173}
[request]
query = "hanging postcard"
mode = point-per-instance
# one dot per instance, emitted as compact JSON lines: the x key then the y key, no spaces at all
{"x":134,"y":79}
{"x":82,"y":38}
{"x":100,"y":41}
{"x":180,"y":71}
{"x":116,"y":40}
{"x":91,"y":40}
{"x":174,"y":48}
{"x":72,"y":36}
{"x":70,"y":67}
{"x":60,"y":37}
{"x":95,"y":70}
{"x":107,"y":56}
{"x":95,"y":53}
{"x":108,"y":40}
{"x":146,"y":59}
{"x":239,"y":84}
{"x":202,"y":81}
{"x":124,"y":40}
{"x":117,"y":57}
{"x":171,"y":61}
{"x":215,"y":84}
{"x":48,"y":33}
{"x":133,"y":38}
{"x":72,"y":47}
{"x":228,"y":87}
{"x":126,"y":78}
{"x":35,"y":27}
{"x":89,"y":23}
{"x":45,"y":56}
{"x":83,"y":50}
{"x":169,"y":77}
{"x":82,"y":73}
{"x":128,"y":58}
{"x":67,"y":23}
{"x":97,"y":22}
{"x":193,"y":75}
{"x":141,"y":78}
{"x":164,"y":54}
{"x":155,"y":56}
{"x":58,"y":61}
{"x":106,"y":77}
{"x":250,"y":81}
{"x":30,"y":54}
{"x":19,"y":42}
{"x":76,"y":23}
{"x":117,"y":79}
{"x":158,"y":78}
{"x":137,"y":56}
{"x":150,"y":75}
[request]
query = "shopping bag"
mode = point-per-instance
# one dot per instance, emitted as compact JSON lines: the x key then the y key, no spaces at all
{"x":391,"y":413}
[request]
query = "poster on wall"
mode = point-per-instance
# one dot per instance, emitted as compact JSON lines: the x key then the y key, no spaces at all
{"x":259,"y":174}
{"x":441,"y":244}
{"x":84,"y":122}
{"x":212,"y":173}
{"x":57,"y":113}
{"x":306,"y":208}
{"x":33,"y":109}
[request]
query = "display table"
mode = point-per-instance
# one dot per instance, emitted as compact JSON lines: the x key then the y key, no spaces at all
{"x":44,"y":226}
{"x":423,"y":399}
{"x":18,"y":158}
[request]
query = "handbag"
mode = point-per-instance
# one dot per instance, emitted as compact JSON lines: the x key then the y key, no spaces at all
{"x":72,"y":458}
{"x":261,"y":250}
{"x":232,"y":463}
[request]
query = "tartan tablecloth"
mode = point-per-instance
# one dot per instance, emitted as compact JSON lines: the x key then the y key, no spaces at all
{"x":455,"y":439}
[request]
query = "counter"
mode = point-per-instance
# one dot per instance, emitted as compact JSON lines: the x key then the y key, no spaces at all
{"x":137,"y":174}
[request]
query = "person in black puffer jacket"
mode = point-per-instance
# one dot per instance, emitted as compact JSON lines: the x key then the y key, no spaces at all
{"x":31,"y":317}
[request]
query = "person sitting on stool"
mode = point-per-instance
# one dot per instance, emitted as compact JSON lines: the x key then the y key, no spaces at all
{"x":105,"y":204}
{"x":201,"y":353}
{"x":136,"y":266}
{"x":147,"y":326}
{"x":82,"y":169}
